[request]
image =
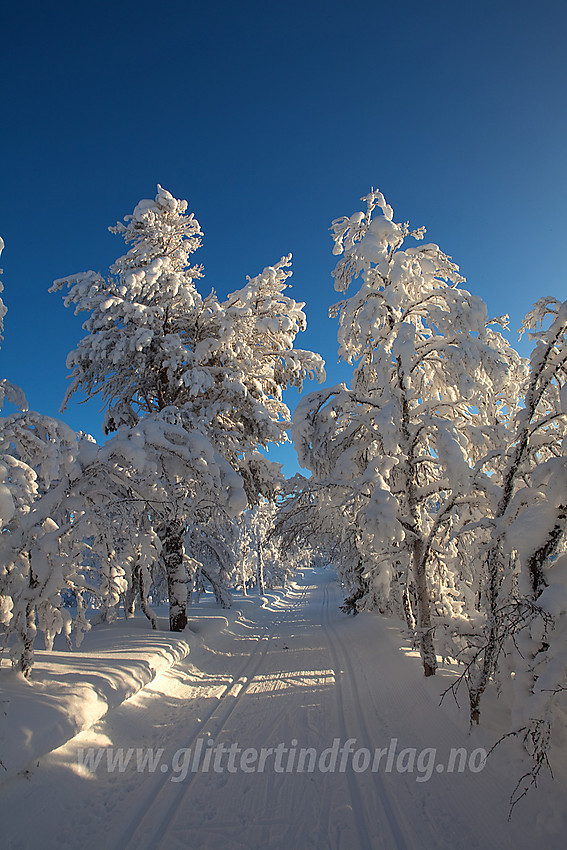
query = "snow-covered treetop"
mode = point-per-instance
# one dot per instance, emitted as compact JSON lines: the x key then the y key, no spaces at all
{"x":173,"y":470}
{"x":411,"y":308}
{"x":433,"y":386}
{"x":542,"y":421}
{"x":163,"y":238}
{"x":153,"y":342}
{"x":546,"y":324}
{"x":139,"y":314}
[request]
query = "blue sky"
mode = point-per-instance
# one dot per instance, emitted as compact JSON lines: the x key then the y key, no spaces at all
{"x":272,"y":119}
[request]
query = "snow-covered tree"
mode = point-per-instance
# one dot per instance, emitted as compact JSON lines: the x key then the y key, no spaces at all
{"x":259,"y":548}
{"x":41,"y":459}
{"x":315,"y":517}
{"x":54,"y":497}
{"x":38,"y":460}
{"x":6,"y":500}
{"x":8,"y":391}
{"x":526,"y":527}
{"x":402,"y":453}
{"x":153,"y":343}
{"x":525,"y":557}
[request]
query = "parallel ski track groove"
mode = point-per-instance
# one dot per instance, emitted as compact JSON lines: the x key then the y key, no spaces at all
{"x":338,"y":652}
{"x":137,"y":834}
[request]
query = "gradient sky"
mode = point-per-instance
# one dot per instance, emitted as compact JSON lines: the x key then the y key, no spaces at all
{"x":273,"y":118}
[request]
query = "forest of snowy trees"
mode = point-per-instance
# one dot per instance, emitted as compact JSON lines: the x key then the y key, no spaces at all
{"x":437,"y":478}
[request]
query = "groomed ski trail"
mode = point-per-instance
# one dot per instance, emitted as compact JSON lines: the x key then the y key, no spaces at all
{"x":288,"y":670}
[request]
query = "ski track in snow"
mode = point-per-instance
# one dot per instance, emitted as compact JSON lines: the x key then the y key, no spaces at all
{"x":151,"y":823}
{"x":340,"y":653}
{"x":290,"y":667}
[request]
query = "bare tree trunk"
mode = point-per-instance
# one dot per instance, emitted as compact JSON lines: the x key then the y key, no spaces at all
{"x":478,"y":684}
{"x":424,"y":625}
{"x":539,"y":557}
{"x":222,"y":594}
{"x":30,"y":631}
{"x":191,"y":586}
{"x":408,"y":606}
{"x":144,"y":602}
{"x":132,"y":593}
{"x":27,"y":656}
{"x":173,"y":557}
{"x":260,"y":568}
{"x":419,"y":548}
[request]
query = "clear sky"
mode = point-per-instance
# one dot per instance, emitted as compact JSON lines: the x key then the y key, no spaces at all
{"x":273,"y":118}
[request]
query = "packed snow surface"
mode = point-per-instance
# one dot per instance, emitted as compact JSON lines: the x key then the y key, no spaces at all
{"x":287,"y":725}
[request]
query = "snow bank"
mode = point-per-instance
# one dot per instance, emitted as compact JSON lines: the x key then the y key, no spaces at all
{"x":70,"y":691}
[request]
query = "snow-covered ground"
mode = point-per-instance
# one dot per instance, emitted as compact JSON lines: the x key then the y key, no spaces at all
{"x":70,"y":692}
{"x":287,"y":724}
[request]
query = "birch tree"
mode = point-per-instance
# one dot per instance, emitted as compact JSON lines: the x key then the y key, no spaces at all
{"x":39,"y":460}
{"x":398,"y":447}
{"x":154,"y":344}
